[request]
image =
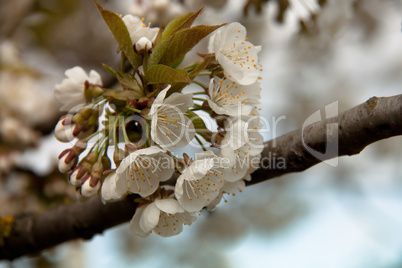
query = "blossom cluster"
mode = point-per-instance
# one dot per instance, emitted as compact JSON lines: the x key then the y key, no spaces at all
{"x":151,"y":115}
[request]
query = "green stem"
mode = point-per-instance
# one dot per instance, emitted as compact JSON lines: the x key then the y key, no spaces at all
{"x":199,"y":99}
{"x":126,"y":139}
{"x":98,"y":101}
{"x":200,"y":142}
{"x":115,"y":130}
{"x":201,"y":85}
{"x":133,"y":110}
{"x":205,"y":73}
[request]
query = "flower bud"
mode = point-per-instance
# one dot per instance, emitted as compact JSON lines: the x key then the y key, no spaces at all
{"x":67,"y":160}
{"x":92,"y":91}
{"x":118,"y":155}
{"x":64,"y":129}
{"x":79,"y":172}
{"x":90,"y":187}
{"x":69,"y":157}
{"x":143,"y":45}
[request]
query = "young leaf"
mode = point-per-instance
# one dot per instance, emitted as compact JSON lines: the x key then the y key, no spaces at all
{"x":184,"y":40}
{"x":157,"y":53}
{"x":121,"y":34}
{"x":199,"y":125}
{"x":110,"y":70}
{"x":121,"y":95}
{"x":165,"y":74}
{"x":129,"y":83}
{"x":180,"y":23}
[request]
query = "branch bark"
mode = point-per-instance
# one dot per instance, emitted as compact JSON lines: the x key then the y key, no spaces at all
{"x":374,"y":120}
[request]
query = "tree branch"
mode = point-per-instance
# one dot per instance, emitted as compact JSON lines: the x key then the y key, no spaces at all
{"x":376,"y":119}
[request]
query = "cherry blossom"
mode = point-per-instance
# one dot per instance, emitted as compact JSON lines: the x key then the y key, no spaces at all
{"x":110,"y":191}
{"x":163,"y":216}
{"x":71,"y":92}
{"x":242,"y":145}
{"x":169,"y":124}
{"x":230,"y":98}
{"x":200,"y":182}
{"x":138,"y":30}
{"x":141,"y":171}
{"x":237,"y":56}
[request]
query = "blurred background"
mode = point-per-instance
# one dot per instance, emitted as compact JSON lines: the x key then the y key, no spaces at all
{"x":314,"y":53}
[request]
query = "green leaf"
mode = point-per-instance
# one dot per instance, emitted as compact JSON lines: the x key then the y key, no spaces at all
{"x":129,"y":82}
{"x":157,"y":53}
{"x":199,"y":125}
{"x":184,"y":40}
{"x":180,"y":23}
{"x":121,"y":95}
{"x":110,"y":70}
{"x":121,"y":34}
{"x":165,"y":74}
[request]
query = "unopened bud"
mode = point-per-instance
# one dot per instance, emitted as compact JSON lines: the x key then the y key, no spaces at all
{"x":67,"y":160}
{"x":64,"y":129}
{"x":89,"y":190}
{"x":143,"y":45}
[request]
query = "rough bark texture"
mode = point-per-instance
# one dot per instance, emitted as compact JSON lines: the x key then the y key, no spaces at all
{"x":376,"y":119}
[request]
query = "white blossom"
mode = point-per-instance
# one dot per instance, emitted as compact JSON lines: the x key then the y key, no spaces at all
{"x":230,"y":98}
{"x":200,"y":182}
{"x":163,"y":216}
{"x":71,"y":92}
{"x":229,"y":188}
{"x":138,"y":29}
{"x":242,"y":145}
{"x":169,"y":124}
{"x":143,"y":45}
{"x":237,"y":56}
{"x":109,"y":191}
{"x":141,"y":171}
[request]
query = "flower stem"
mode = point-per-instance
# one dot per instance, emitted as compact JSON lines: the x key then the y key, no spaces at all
{"x":201,"y":85}
{"x":205,"y":73}
{"x":200,"y":142}
{"x":126,"y":139}
{"x":133,"y":110}
{"x":199,"y":99}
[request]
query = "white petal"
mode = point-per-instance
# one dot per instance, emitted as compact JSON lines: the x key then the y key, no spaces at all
{"x":94,"y":78}
{"x":109,"y":191}
{"x":135,"y":223}
{"x":181,"y":101}
{"x":142,"y":170}
{"x":158,"y":100}
{"x":234,"y":187}
{"x":76,"y":74}
{"x":170,"y":206}
{"x":170,"y":225}
{"x":149,"y":217}
{"x":233,"y":32}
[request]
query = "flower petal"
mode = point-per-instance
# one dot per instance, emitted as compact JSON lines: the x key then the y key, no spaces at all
{"x":149,"y":217}
{"x":158,"y":100}
{"x":135,"y":223}
{"x":170,"y":206}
